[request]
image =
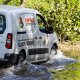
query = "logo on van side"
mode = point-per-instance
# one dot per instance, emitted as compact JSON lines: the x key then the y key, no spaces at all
{"x":28,"y":42}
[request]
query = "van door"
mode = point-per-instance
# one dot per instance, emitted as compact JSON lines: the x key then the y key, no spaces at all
{"x":28,"y":35}
{"x":43,"y":38}
{"x":32,"y":41}
{"x":3,"y":35}
{"x":21,"y":32}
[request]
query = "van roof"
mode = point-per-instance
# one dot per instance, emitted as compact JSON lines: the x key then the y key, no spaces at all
{"x":8,"y":8}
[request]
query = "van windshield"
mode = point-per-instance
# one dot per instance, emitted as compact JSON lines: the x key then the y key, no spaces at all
{"x":2,"y":23}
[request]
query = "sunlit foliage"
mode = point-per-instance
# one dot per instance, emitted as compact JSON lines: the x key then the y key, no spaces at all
{"x":63,"y":15}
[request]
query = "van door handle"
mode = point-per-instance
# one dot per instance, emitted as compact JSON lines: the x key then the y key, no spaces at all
{"x":36,"y":37}
{"x":40,"y":37}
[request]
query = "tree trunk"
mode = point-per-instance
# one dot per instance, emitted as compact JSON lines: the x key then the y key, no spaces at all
{"x":6,"y":2}
{"x":23,"y":3}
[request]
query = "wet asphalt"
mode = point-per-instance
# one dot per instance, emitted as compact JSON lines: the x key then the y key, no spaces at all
{"x":27,"y":71}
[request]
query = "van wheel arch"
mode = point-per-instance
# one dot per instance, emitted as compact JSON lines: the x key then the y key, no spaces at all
{"x":54,"y":48}
{"x":22,"y":54}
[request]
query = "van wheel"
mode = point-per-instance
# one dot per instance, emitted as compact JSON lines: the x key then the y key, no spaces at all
{"x":53,"y":52}
{"x":54,"y":49}
{"x":20,"y":59}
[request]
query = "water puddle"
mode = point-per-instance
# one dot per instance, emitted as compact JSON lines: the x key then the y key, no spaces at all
{"x":27,"y":71}
{"x":58,"y":61}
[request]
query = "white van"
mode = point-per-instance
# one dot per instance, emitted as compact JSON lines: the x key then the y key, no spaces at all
{"x":25,"y":35}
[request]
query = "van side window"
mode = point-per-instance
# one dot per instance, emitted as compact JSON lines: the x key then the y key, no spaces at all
{"x":41,"y":23}
{"x":2,"y":24}
{"x":21,"y":23}
{"x":26,"y":23}
{"x":30,"y":23}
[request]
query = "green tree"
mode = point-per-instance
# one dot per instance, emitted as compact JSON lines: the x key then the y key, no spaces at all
{"x":63,"y":15}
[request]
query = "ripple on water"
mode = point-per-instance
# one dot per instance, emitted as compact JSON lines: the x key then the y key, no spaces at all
{"x":27,"y":71}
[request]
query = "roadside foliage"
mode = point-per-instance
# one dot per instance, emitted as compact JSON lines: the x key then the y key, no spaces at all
{"x":63,"y":15}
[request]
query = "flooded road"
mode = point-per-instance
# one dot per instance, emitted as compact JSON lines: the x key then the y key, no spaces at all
{"x":27,"y":71}
{"x":58,"y":61}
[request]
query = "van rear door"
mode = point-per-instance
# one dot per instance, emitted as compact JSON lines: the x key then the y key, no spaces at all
{"x":2,"y":35}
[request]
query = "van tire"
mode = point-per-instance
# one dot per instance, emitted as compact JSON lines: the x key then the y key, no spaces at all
{"x":54,"y":48}
{"x":55,"y":51}
{"x":20,"y":58}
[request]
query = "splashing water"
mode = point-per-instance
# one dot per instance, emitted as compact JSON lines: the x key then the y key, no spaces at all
{"x":36,"y":71}
{"x":58,"y":61}
{"x":27,"y":71}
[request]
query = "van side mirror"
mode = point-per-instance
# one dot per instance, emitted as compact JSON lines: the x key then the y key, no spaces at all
{"x":49,"y":30}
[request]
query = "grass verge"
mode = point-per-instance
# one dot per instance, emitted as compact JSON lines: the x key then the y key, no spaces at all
{"x":72,"y":71}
